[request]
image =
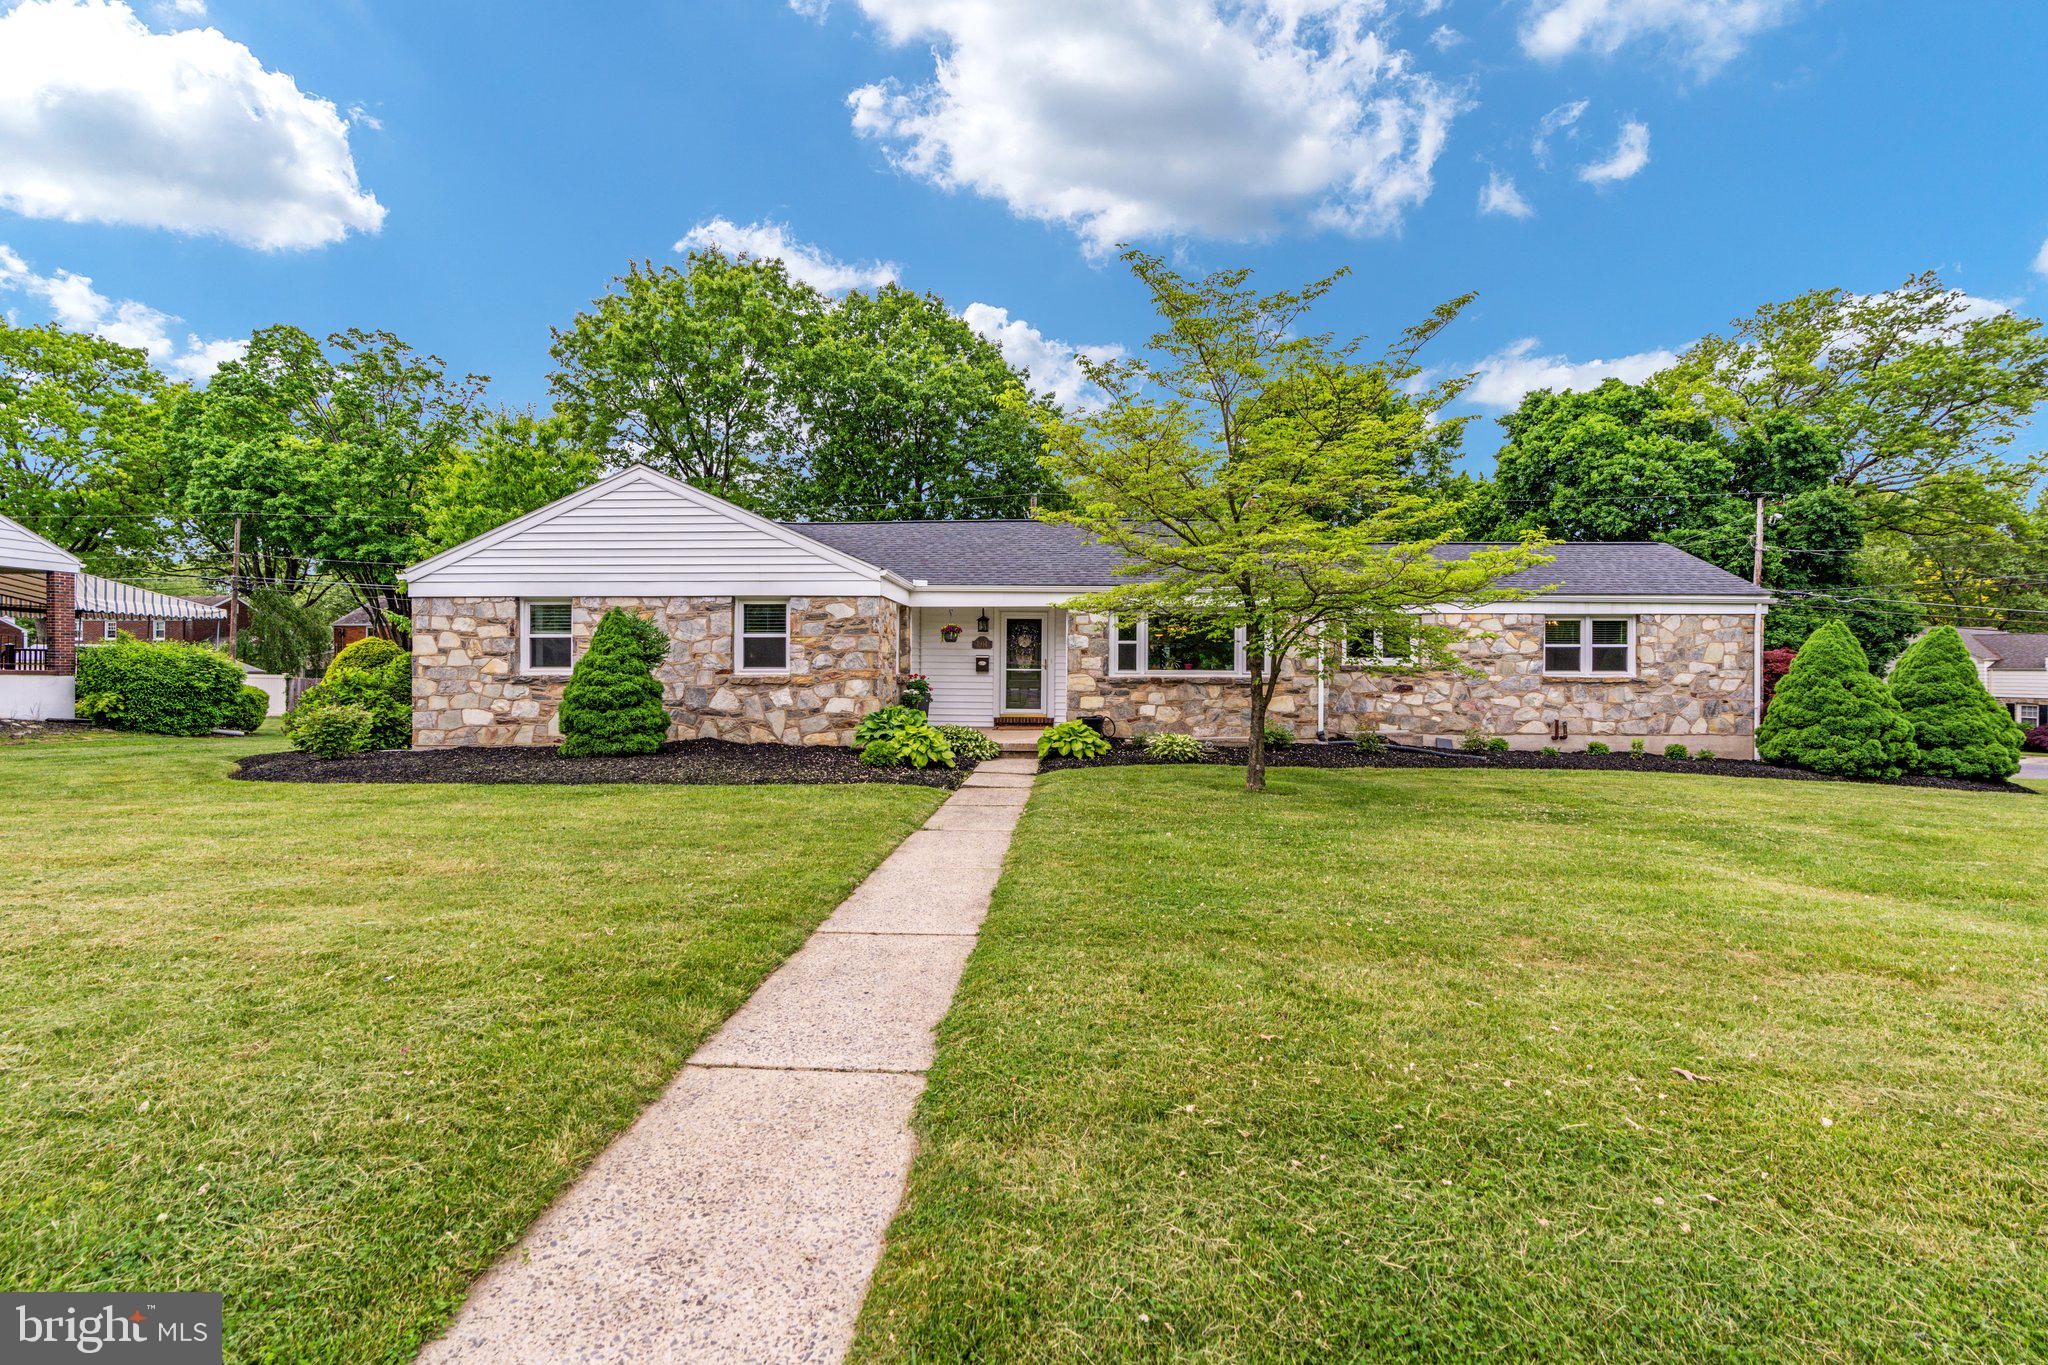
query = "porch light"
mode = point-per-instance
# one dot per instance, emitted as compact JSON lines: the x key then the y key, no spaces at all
{"x":981,"y":624}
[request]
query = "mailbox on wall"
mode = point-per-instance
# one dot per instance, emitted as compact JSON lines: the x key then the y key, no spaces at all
{"x":981,"y":663}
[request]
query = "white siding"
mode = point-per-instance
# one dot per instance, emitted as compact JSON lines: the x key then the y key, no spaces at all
{"x":2017,"y":684}
{"x":21,"y":548}
{"x":638,"y":537}
{"x":960,"y":696}
{"x":1056,"y":691}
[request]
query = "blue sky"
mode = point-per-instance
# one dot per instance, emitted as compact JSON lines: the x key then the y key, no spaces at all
{"x":467,"y":175}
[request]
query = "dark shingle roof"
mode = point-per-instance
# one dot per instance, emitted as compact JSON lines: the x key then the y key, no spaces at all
{"x":2008,"y":649}
{"x":1038,"y":554}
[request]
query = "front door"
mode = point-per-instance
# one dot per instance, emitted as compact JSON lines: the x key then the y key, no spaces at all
{"x":1024,"y":665}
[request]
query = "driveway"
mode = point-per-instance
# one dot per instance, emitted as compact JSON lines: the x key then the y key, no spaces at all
{"x":2033,"y":768}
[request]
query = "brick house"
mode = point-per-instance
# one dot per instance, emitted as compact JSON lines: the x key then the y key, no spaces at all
{"x":39,"y":647}
{"x":791,"y":632}
{"x":355,"y":625}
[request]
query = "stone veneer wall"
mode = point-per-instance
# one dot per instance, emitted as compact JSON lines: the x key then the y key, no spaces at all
{"x":843,"y":652}
{"x":1695,"y":680}
{"x":1217,"y":708}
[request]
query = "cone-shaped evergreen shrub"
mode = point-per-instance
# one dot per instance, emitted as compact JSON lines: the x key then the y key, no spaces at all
{"x":1959,"y":729}
{"x":1832,"y":715}
{"x":612,"y":704}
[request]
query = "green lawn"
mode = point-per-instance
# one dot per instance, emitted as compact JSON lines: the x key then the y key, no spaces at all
{"x":328,"y":1049}
{"x":1396,"y":1063}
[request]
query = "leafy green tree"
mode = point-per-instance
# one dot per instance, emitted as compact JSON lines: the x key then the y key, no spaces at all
{"x":687,"y":370}
{"x":1229,"y":466}
{"x":328,"y":453}
{"x":1831,"y":714}
{"x":1959,"y":728}
{"x":904,"y":411}
{"x":283,"y":636}
{"x":1909,"y":384}
{"x":612,"y":704}
{"x":81,"y":444}
{"x":1970,"y":552}
{"x":516,"y":464}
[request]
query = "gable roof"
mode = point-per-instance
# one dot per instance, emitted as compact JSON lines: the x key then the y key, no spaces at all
{"x":1029,"y":554}
{"x":21,"y":548}
{"x":2005,"y":649}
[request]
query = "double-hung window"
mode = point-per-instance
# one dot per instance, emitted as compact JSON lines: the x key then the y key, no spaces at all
{"x":110,"y":629}
{"x":156,"y":627}
{"x":1590,"y":645}
{"x":549,"y":646}
{"x":1388,"y":644}
{"x":763,"y":631}
{"x":2029,"y":714}
{"x":1176,"y":644}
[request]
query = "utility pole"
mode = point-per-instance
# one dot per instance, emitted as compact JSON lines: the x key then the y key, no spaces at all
{"x":1756,"y":572}
{"x":235,"y":590}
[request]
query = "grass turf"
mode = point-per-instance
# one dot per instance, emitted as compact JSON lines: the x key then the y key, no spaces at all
{"x":329,"y":1049}
{"x":1445,"y":1064}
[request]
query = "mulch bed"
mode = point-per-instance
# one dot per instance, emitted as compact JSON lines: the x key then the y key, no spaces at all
{"x":685,"y":762}
{"x":1345,"y":755}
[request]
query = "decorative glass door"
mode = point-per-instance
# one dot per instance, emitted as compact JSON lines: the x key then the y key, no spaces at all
{"x":1024,"y":664}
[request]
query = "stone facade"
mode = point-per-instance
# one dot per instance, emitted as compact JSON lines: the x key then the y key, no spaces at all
{"x":1694,"y":682}
{"x":468,"y":688}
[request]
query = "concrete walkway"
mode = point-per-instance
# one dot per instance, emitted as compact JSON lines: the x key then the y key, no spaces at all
{"x":741,"y":1216}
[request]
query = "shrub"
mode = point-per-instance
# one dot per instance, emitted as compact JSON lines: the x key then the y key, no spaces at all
{"x":1832,"y":716}
{"x":1677,"y":751}
{"x":1703,"y":755}
{"x":158,"y":687}
{"x":1278,"y":737}
{"x":885,"y":722}
{"x":1473,"y":741}
{"x":1174,"y":748}
{"x":331,"y":731}
{"x":250,"y":709}
{"x":970,"y":743}
{"x":1072,"y":739}
{"x":385,"y":691}
{"x":914,"y":746}
{"x":612,"y":704}
{"x":369,"y":652}
{"x":1959,"y":729}
{"x":1636,"y":748}
{"x":1496,"y":745}
{"x":640,"y":633}
{"x":1596,"y":747}
{"x":2037,"y":740}
{"x":1370,"y":742}
{"x":1777,"y":663}
{"x":1550,"y":751}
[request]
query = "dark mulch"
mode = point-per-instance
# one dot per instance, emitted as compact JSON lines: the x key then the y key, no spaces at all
{"x":690,"y":761}
{"x":1344,"y":755}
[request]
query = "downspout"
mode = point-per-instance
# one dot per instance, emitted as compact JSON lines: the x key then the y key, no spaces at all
{"x":1322,"y":683}
{"x":1756,"y":686}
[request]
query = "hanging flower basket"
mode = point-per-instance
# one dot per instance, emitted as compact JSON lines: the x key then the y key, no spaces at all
{"x":950,"y":634}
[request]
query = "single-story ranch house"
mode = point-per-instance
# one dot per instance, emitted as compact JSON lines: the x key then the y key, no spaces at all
{"x":2013,"y":667}
{"x":791,"y":632}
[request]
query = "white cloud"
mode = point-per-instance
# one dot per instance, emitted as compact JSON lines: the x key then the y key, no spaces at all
{"x":767,"y":240}
{"x":1703,"y":33}
{"x":1507,"y":374}
{"x":1226,"y":118}
{"x":1563,"y":119}
{"x":1499,"y":195}
{"x":1051,"y":364}
{"x":2041,"y":261}
{"x":177,"y":11}
{"x":72,"y":303}
{"x":1631,"y":153}
{"x":1444,"y":38}
{"x":102,"y":120}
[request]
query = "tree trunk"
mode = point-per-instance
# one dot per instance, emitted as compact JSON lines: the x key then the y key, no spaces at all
{"x":1255,"y":765}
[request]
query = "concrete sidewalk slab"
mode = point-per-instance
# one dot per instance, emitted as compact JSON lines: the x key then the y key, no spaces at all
{"x":978,"y":778}
{"x":912,"y":898}
{"x":956,"y":848}
{"x":739,"y":1219}
{"x":968,"y":815}
{"x":991,"y":796}
{"x":846,"y":1002}
{"x":1006,"y":765}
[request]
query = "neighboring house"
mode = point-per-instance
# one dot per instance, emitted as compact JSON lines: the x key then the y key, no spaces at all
{"x":39,"y":656}
{"x":352,"y":627}
{"x":108,"y":609}
{"x":788,"y":632}
{"x":2014,"y":669}
{"x":212,"y":630}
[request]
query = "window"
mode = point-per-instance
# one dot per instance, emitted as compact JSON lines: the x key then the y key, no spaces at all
{"x":156,"y":628}
{"x":549,"y":647}
{"x":1590,"y":645}
{"x":109,"y":630}
{"x":763,"y":629}
{"x":1170,"y":644}
{"x":1379,"y":644}
{"x":2028,"y":714}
